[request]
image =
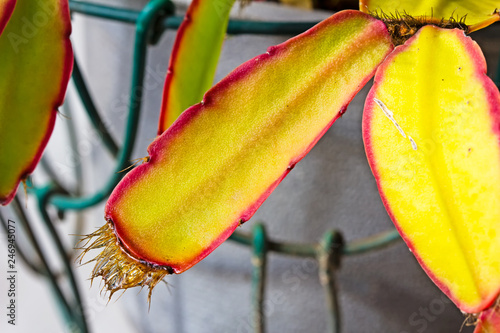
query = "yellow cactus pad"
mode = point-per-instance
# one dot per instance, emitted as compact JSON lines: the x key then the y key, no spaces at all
{"x":480,"y":13}
{"x":431,"y":128}
{"x":35,"y":66}
{"x":194,"y":57}
{"x":221,"y":159}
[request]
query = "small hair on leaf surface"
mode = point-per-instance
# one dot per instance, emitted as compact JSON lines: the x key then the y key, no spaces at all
{"x":135,"y":163}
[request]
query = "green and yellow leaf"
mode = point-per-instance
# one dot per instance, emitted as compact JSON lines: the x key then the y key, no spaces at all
{"x":212,"y":169}
{"x":36,"y":65}
{"x":431,"y":129}
{"x":194,"y":57}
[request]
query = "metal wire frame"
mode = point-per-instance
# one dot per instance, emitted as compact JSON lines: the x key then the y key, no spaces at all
{"x":150,"y":23}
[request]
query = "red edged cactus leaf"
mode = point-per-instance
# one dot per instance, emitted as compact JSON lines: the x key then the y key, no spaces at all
{"x":194,"y":57}
{"x":6,"y":9}
{"x":478,"y":14}
{"x":489,"y":321}
{"x":36,"y":64}
{"x":221,"y":159}
{"x":431,"y":128}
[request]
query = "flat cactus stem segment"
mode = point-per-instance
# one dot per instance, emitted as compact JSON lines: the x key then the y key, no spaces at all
{"x":6,"y":9}
{"x":36,"y":65}
{"x":480,"y":13}
{"x":194,"y":57}
{"x":431,"y":128}
{"x":221,"y":159}
{"x":489,"y":321}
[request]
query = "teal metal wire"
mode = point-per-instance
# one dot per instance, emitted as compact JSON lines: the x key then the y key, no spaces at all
{"x":144,"y":30}
{"x":62,"y":302}
{"x":151,"y":22}
{"x":328,"y":257}
{"x":259,"y":265}
{"x":34,"y":267}
{"x":43,"y":195}
{"x":94,"y":116}
{"x":359,"y":246}
{"x":235,"y":27}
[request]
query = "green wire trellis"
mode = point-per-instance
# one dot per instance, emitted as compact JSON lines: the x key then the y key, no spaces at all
{"x":150,"y":23}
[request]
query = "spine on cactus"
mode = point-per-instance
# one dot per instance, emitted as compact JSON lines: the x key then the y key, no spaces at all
{"x":476,"y":14}
{"x":212,"y":169}
{"x":194,"y":57}
{"x":435,"y":154}
{"x":36,"y":64}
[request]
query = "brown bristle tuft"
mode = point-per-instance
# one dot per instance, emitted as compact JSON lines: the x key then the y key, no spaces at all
{"x":471,"y":319}
{"x":118,"y":269}
{"x":402,"y":26}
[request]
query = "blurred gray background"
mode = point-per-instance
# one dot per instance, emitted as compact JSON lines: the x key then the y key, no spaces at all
{"x":331,"y":188}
